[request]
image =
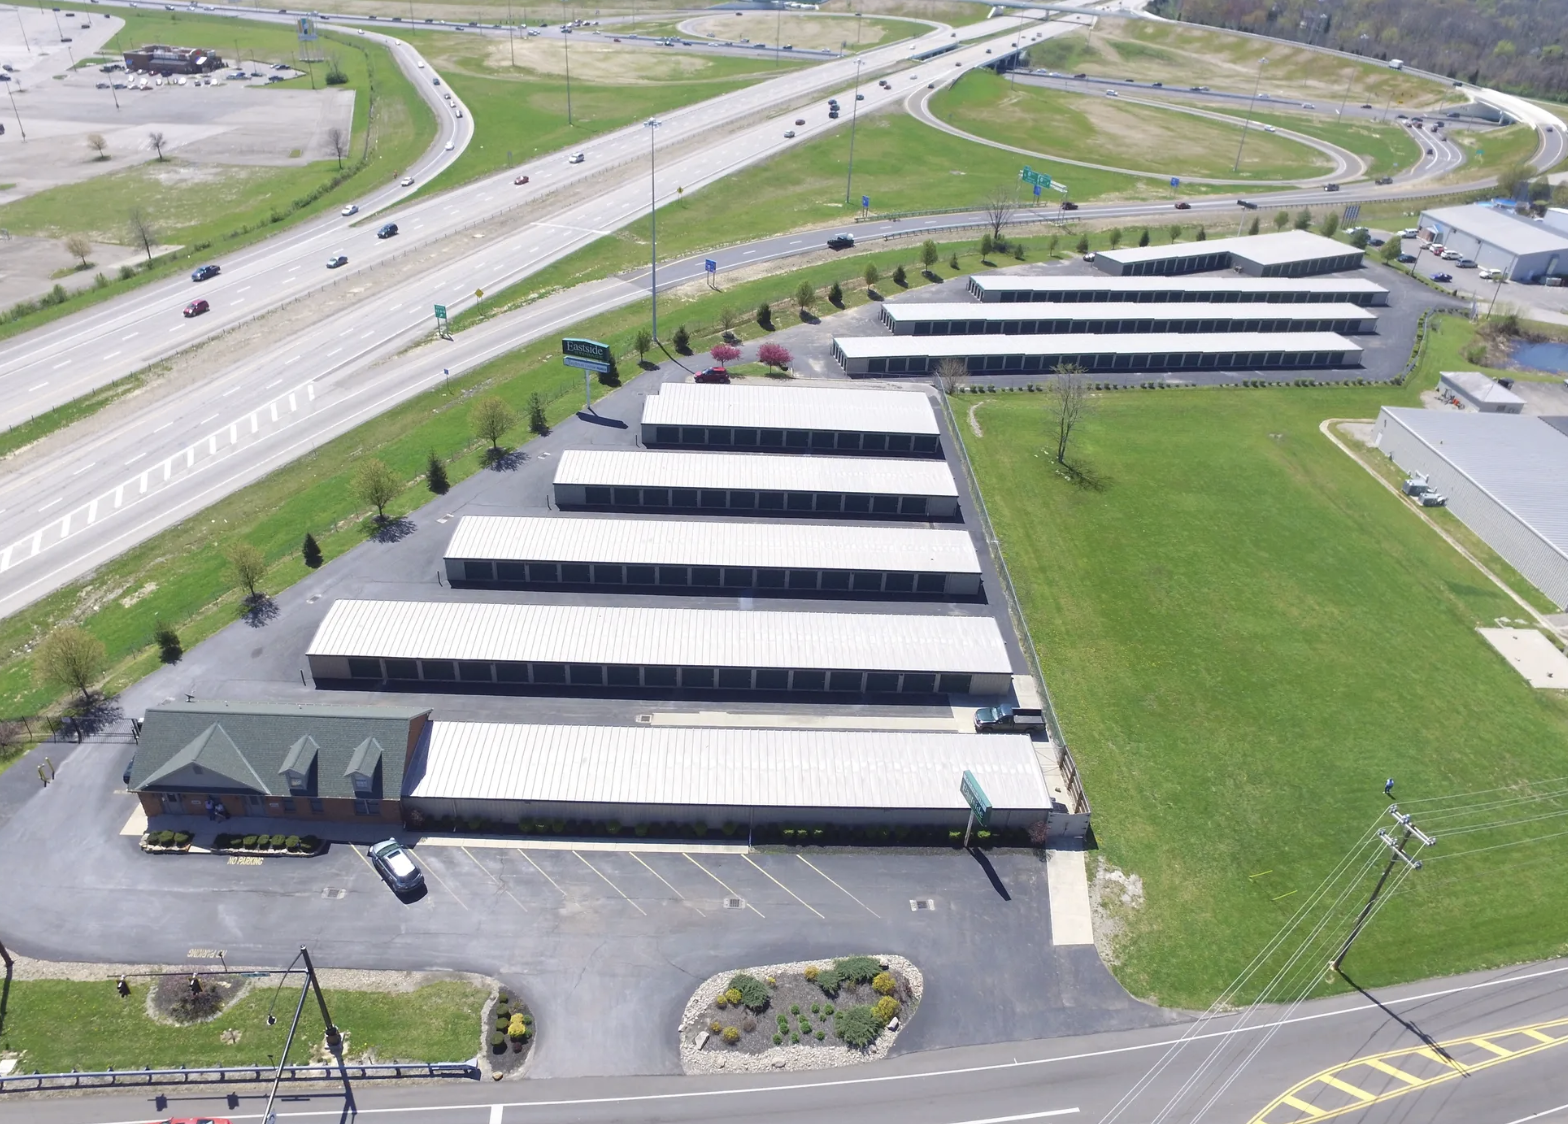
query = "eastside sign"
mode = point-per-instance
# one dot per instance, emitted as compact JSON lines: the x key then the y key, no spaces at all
{"x":975,"y":797}
{"x":588,"y":355}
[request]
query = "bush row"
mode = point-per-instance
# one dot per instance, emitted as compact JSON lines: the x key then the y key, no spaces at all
{"x":925,"y":835}
{"x":170,"y":839}
{"x":298,"y":844}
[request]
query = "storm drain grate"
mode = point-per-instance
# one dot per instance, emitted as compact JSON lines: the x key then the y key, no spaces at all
{"x":334,"y":893}
{"x":916,"y":905}
{"x":734,"y":903}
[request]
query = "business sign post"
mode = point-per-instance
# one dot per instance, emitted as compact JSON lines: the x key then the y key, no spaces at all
{"x":441,"y":329}
{"x":590,"y":356}
{"x":711,"y":268}
{"x":979,"y":804}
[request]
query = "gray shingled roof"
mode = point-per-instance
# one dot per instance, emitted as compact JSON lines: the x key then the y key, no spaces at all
{"x":247,"y":747}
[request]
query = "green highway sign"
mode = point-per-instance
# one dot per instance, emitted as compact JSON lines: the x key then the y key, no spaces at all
{"x":441,"y":311}
{"x":1034,"y":178}
{"x":974,"y":795}
{"x":590,"y":355}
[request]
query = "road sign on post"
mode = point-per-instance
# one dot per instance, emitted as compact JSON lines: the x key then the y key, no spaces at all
{"x":441,"y":328}
{"x":1034,"y":178}
{"x":979,"y":804}
{"x":1175,"y":181}
{"x":589,"y":355}
{"x":865,"y":202}
{"x":711,"y":268}
{"x":1037,"y":191}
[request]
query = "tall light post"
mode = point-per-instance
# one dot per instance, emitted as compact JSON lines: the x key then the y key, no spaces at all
{"x":1256,"y":86}
{"x":19,"y":127}
{"x":511,"y":38}
{"x":566,"y":43}
{"x":854,"y":112}
{"x":778,"y":30}
{"x":1344,"y":101}
{"x":652,"y":125}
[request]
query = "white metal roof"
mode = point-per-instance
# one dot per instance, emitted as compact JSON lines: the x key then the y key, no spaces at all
{"x":1481,"y":387}
{"x":1126,"y":310}
{"x":604,"y":634}
{"x":724,"y":767}
{"x":1059,"y":284}
{"x":677,"y":542}
{"x":1266,"y":249}
{"x":649,"y":468}
{"x":1090,"y":343}
{"x":1519,"y":460}
{"x":848,"y":410}
{"x":1508,"y":232}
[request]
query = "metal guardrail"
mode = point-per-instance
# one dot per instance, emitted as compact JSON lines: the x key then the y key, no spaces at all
{"x":229,"y":1075}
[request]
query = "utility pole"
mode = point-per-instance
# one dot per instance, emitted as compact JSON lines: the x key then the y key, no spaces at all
{"x":854,"y":113}
{"x":1396,"y":855}
{"x":511,"y":39}
{"x":652,"y":125}
{"x":1256,"y":86}
{"x":566,"y":45}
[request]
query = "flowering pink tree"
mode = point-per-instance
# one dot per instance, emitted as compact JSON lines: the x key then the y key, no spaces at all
{"x":773,"y":355}
{"x":723,"y":353}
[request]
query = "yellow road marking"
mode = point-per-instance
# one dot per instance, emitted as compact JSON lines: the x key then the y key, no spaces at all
{"x":1538,"y":1036}
{"x":1303,"y":1106}
{"x":1432,"y":1055}
{"x":1493,"y":1047}
{"x":1395,"y":1071}
{"x":1347,"y":1087}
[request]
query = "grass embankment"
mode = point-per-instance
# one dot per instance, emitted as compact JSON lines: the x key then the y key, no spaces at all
{"x":1119,"y":133}
{"x":807,"y":30}
{"x":1245,"y":635}
{"x":211,"y":208}
{"x":1386,"y":148}
{"x":1185,"y":55}
{"x":520,"y":112}
{"x":59,"y":1025}
{"x":1488,"y":150}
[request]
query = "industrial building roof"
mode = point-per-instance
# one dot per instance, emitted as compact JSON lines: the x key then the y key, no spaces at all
{"x":1266,"y":249}
{"x":675,"y":542}
{"x":647,"y":468}
{"x":1506,"y":231}
{"x":1481,"y":387}
{"x":1125,"y":310}
{"x":1520,"y":460}
{"x":664,"y":765}
{"x":1001,"y":282}
{"x":603,"y":634}
{"x":787,"y":407}
{"x":1089,"y":343}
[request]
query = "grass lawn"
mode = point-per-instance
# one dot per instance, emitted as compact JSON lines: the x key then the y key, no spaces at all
{"x":798,"y":29}
{"x":521,"y":112}
{"x":1105,"y":130}
{"x":1244,"y":635}
{"x":58,"y":1025}
{"x":1387,"y":148}
{"x":1487,"y":150}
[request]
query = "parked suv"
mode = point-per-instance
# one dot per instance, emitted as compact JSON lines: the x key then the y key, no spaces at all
{"x":712,"y":374}
{"x":204,"y":272}
{"x":387,"y":231}
{"x":396,"y":866}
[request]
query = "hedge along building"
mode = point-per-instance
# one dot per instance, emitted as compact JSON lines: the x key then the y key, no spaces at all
{"x":792,"y":420}
{"x":256,"y":759}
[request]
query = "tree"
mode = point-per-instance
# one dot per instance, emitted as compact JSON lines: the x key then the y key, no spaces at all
{"x":1253,"y":228}
{"x":836,"y":295}
{"x":724,"y":353}
{"x":435,"y":475}
{"x":310,"y":551}
{"x":765,"y":315}
{"x":682,"y":340}
{"x":537,"y":422}
{"x":1067,"y":401}
{"x":1174,"y":230}
{"x":900,"y":278}
{"x":999,"y":205}
{"x":170,"y":650}
{"x":79,"y":247}
{"x":928,"y":254}
{"x":1391,"y":250}
{"x":374,"y":484}
{"x":1303,"y":219}
{"x":1513,"y":180}
{"x":1203,"y":235}
{"x":142,"y":231}
{"x":337,"y":141}
{"x":1361,"y":239}
{"x":642,"y":341}
{"x":249,"y":565}
{"x":1330,"y":225}
{"x":1143,"y":239}
{"x":155,"y":138}
{"x":336,"y":75}
{"x":96,"y":142}
{"x":1281,"y":220}
{"x":952,"y":261}
{"x":805,"y":297}
{"x":1052,"y":244}
{"x":872,"y":274}
{"x":1083,"y":244}
{"x":772,"y":355}
{"x":728,"y":318}
{"x":987,"y":245}
{"x":1116,"y":237}
{"x":72,"y":658}
{"x":490,"y":418}
{"x":951,"y":374}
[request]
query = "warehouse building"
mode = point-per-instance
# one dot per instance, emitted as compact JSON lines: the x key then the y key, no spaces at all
{"x":680,"y":556}
{"x":744,"y":779}
{"x":157,"y":58}
{"x":1294,"y":253}
{"x":255,"y":759}
{"x":1480,"y":392}
{"x":1115,"y":354}
{"x":1524,"y":249}
{"x":1005,"y":288}
{"x":791,"y":419}
{"x":553,"y":648}
{"x":753,"y":484}
{"x":1503,"y":475}
{"x":961,"y":319}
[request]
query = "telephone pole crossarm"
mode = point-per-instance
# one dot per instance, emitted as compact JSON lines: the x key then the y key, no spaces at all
{"x":1396,"y":855}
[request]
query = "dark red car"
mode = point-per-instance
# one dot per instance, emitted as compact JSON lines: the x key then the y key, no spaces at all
{"x":712,"y":374}
{"x":520,"y":180}
{"x":196,"y":308}
{"x":1184,"y":206}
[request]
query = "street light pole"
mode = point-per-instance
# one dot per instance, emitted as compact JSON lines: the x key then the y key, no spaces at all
{"x":511,"y":38}
{"x":19,"y":126}
{"x":854,"y":112}
{"x":652,"y":125}
{"x":1256,"y":86}
{"x":566,"y":45}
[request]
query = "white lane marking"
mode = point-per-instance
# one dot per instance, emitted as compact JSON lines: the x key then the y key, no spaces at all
{"x":333,"y":352}
{"x":851,"y":897}
{"x":246,"y":289}
{"x":163,"y":427}
{"x":136,"y":458}
{"x":612,"y":885}
{"x":40,"y":386}
{"x":240,"y":301}
{"x":124,"y":338}
{"x":84,"y":468}
{"x":176,"y":328}
{"x":206,"y":419}
{"x":51,"y":503}
{"x":67,"y":363}
{"x":111,"y":355}
{"x":785,"y":888}
{"x":228,"y":392}
{"x":275,"y":382}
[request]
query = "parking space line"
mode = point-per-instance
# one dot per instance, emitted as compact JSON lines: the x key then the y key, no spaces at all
{"x":785,"y":888}
{"x":666,"y":881}
{"x":852,"y":897}
{"x":611,"y":885}
{"x":499,"y":884}
{"x":727,"y":890}
{"x":540,"y":869}
{"x":431,"y":868}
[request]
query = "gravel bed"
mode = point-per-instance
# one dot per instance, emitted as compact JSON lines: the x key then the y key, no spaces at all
{"x":755,"y":1053}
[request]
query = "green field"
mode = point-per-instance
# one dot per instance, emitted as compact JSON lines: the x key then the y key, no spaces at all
{"x":1116,"y":132}
{"x":1244,"y":634}
{"x":1488,"y":150}
{"x":59,"y":1025}
{"x":1387,"y":148}
{"x":802,"y":30}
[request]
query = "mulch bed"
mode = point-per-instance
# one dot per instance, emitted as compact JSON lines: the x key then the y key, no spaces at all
{"x":807,"y":1011}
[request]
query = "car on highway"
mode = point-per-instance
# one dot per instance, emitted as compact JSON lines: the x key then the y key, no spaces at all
{"x":449,"y":146}
{"x":789,"y":134}
{"x":576,"y":158}
{"x":351,"y":209}
{"x":387,"y":231}
{"x":406,"y":181}
{"x":800,"y":120}
{"x":1069,"y":205}
{"x":434,"y":81}
{"x":841,"y":241}
{"x":195,"y":1120}
{"x":421,"y":63}
{"x":1405,"y":259}
{"x":196,"y":308}
{"x":1429,"y":152}
{"x":1331,"y":187}
{"x":396,"y":866}
{"x":1269,"y":129}
{"x":1366,"y":105}
{"x":1307,"y":105}
{"x":1110,"y":93}
{"x":1383,"y":181}
{"x":712,"y":374}
{"x":860,"y":97}
{"x":833,"y":114}
{"x":1440,"y":277}
{"x":520,"y":180}
{"x":336,"y":260}
{"x":1251,"y":206}
{"x":1184,"y":206}
{"x":205,"y":272}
